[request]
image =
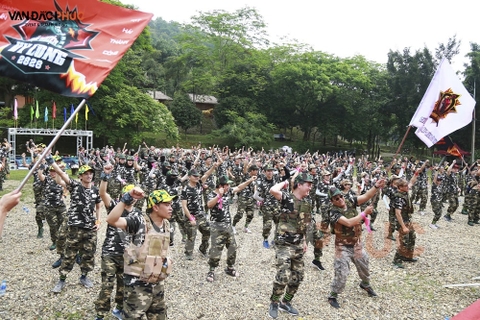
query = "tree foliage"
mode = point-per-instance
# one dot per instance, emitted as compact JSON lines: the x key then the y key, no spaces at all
{"x":186,"y":114}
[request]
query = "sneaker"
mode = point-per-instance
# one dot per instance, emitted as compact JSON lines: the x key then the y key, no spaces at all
{"x":210,"y":276}
{"x":117,"y":313}
{"x":53,"y":246}
{"x":78,"y":258}
{"x":317,"y":264}
{"x":265,"y":244}
{"x":447,"y":218}
{"x":470,"y":223}
{"x":287,"y":307}
{"x":369,"y":290}
{"x":436,"y":225}
{"x":231,"y":271}
{"x":334,"y":303}
{"x":476,"y":222}
{"x":273,"y":310}
{"x":433,"y":226}
{"x":465,"y":212}
{"x":234,"y":230}
{"x":246,"y":230}
{"x":189,"y":257}
{"x":87,"y":283}
{"x":57,"y":263}
{"x":398,"y":265}
{"x":59,"y":286}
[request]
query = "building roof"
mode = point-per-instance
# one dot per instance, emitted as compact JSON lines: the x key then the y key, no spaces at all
{"x":199,"y":98}
{"x":159,"y":95}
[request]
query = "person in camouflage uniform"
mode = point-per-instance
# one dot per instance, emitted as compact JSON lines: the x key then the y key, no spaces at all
{"x":246,"y":202}
{"x":221,"y":225}
{"x":113,"y":249}
{"x":269,"y":205}
{"x":389,"y":192}
{"x":294,"y":218}
{"x":420,"y":189}
{"x":366,"y":185}
{"x":436,"y":199}
{"x":174,"y":188}
{"x":474,"y":198}
{"x":117,"y":180}
{"x":347,"y":225}
{"x":194,"y":211}
{"x":83,"y":223}
{"x":37,"y":192}
{"x":470,"y":182}
{"x":403,"y":212}
{"x":55,"y":208}
{"x":150,"y":233}
{"x":451,"y":190}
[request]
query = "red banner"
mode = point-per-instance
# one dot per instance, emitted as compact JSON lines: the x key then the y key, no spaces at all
{"x":68,"y":47}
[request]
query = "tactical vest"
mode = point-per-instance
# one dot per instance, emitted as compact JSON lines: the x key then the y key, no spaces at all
{"x":293,"y":220}
{"x":146,"y":261}
{"x":344,"y":235}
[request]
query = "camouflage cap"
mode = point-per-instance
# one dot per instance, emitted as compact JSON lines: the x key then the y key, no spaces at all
{"x":159,"y":196}
{"x":303,"y":177}
{"x":51,"y":168}
{"x":194,"y":173}
{"x":223,"y":180}
{"x":84,"y":169}
{"x":312,"y":166}
{"x":326,"y":173}
{"x":268,"y":167}
{"x":172,"y":173}
{"x":121,"y":156}
{"x":57,"y":158}
{"x":253,"y":167}
{"x":333,"y":191}
{"x":130,"y":158}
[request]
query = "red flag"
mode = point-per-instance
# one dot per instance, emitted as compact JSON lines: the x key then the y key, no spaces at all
{"x":54,"y":110}
{"x":65,"y":46}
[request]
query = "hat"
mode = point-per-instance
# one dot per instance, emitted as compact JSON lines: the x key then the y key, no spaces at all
{"x":303,"y":177}
{"x":57,"y":158}
{"x":127,"y":188}
{"x":268,"y":167}
{"x":253,"y":167}
{"x":130,"y":158}
{"x":326,"y":173}
{"x":84,"y":169}
{"x":223,"y":180}
{"x":159,"y":196}
{"x":193,"y":172}
{"x":312,"y":166}
{"x":41,"y":145}
{"x":172,"y":173}
{"x":121,"y":156}
{"x":51,"y":168}
{"x":394,"y":177}
{"x":345,"y":181}
{"x":332,"y":192}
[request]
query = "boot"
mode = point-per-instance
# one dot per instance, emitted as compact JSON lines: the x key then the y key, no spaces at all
{"x":40,"y":232}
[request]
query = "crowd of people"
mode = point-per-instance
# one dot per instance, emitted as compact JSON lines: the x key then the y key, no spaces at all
{"x":302,"y":199}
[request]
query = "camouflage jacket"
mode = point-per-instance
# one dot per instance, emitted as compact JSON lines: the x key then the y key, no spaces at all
{"x":52,"y":193}
{"x":402,"y":201}
{"x":437,"y":193}
{"x":194,"y":199}
{"x":345,"y":235}
{"x":294,"y":217}
{"x":81,"y":212}
{"x":220,"y":214}
{"x":263,"y":189}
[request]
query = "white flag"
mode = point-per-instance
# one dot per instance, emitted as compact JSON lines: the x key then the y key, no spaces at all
{"x":446,"y":106}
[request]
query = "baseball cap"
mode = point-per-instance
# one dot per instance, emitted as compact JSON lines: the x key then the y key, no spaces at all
{"x":268,"y":167}
{"x":333,"y":191}
{"x":326,"y":173}
{"x":303,"y":177}
{"x":193,"y":172}
{"x":253,"y":167}
{"x":159,"y":196}
{"x":223,"y":180}
{"x":84,"y":169}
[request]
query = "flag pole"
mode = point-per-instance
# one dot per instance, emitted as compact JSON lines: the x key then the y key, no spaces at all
{"x":473,"y":122}
{"x":49,"y":147}
{"x":403,"y":141}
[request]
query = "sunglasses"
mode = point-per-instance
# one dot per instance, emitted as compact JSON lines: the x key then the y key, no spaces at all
{"x":337,"y":198}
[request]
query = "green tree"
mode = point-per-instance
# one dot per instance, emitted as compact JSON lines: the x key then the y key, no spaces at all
{"x":186,"y":114}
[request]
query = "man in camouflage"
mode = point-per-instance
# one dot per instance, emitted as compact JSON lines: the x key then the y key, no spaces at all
{"x":83,"y":223}
{"x":451,"y":190}
{"x":221,"y":225}
{"x":269,"y":205}
{"x":347,"y":225}
{"x":112,"y":253}
{"x":420,"y":189}
{"x":194,"y":212}
{"x":150,"y":236}
{"x":37,"y":190}
{"x":294,"y":218}
{"x":246,"y":202}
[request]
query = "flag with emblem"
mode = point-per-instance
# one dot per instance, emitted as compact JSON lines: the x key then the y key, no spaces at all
{"x":446,"y":106}
{"x":65,"y":46}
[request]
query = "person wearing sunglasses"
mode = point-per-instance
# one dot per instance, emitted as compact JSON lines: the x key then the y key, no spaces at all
{"x":347,"y":225}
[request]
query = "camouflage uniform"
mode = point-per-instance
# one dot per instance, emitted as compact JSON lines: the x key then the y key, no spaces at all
{"x":81,"y":233}
{"x":406,"y":244}
{"x":246,"y":204}
{"x":348,"y":247}
{"x":221,"y":232}
{"x":436,"y":201}
{"x":474,"y":210}
{"x":325,"y":206}
{"x":421,"y":191}
{"x":112,"y":265}
{"x":193,"y":196}
{"x":451,"y":191}
{"x":270,"y":204}
{"x":392,"y":219}
{"x":469,"y":200}
{"x":39,"y":201}
{"x":143,"y":298}
{"x":115,"y":186}
{"x":55,"y":208}
{"x":366,"y":187}
{"x":174,"y":188}
{"x":294,"y":217}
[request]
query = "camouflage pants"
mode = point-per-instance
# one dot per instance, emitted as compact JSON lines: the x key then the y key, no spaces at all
{"x":341,"y":264}
{"x":62,"y":236}
{"x":179,"y":217}
{"x":114,"y":188}
{"x":474,"y":211}
{"x":290,"y":269}
{"x":268,"y":212}
{"x":112,"y":272}
{"x":144,"y":299}
{"x":469,"y":201}
{"x":245,"y":205}
{"x":452,"y":203}
{"x":82,"y":241}
{"x":392,"y":220}
{"x":55,"y":217}
{"x":421,"y":194}
{"x":222,"y":237}
{"x":406,"y":244}
{"x":39,"y":207}
{"x":315,"y":237}
{"x":437,"y":207}
{"x":204,"y":228}
{"x":322,"y":236}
